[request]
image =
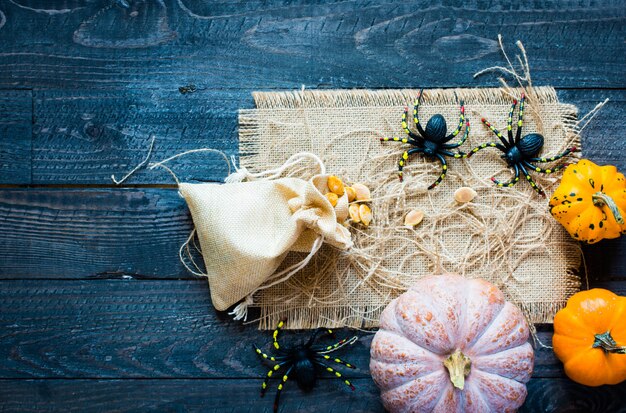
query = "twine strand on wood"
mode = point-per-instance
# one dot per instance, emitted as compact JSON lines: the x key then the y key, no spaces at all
{"x":139,"y":166}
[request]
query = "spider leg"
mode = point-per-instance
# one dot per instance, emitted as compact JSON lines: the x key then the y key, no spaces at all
{"x":337,"y":374}
{"x":403,"y":140}
{"x":280,"y":325}
{"x":483,"y":146}
{"x":511,"y":182}
{"x":520,"y":120}
{"x":416,"y":106}
{"x":264,"y":356}
{"x":496,"y":132}
{"x":461,"y":123}
{"x":269,"y":376}
{"x":317,"y":333}
{"x":405,"y":157}
{"x":452,"y":154}
{"x":336,"y":360}
{"x":462,"y":141}
{"x":531,"y":182}
{"x":556,"y":157}
{"x":280,"y":388}
{"x":509,"y":124}
{"x":444,"y":170}
{"x":406,"y":129}
{"x":544,"y":171}
{"x":336,"y":346}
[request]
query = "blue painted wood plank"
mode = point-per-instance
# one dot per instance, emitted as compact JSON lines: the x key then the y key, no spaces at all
{"x":78,"y":233}
{"x":16,"y":116}
{"x":242,"y":396}
{"x":192,"y":395}
{"x":85,"y":137}
{"x":285,"y":44}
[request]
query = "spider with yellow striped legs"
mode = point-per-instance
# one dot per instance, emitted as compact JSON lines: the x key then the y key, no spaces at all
{"x":520,"y":151}
{"x":431,"y":141}
{"x":304,"y":361}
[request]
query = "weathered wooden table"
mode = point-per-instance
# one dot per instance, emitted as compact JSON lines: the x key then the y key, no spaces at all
{"x":96,"y":312}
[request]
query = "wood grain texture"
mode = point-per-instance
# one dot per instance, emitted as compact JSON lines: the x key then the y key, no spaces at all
{"x":16,"y":114}
{"x":242,"y":396}
{"x":211,"y":396}
{"x":74,"y":233}
{"x":603,"y":137}
{"x":129,"y":329}
{"x":606,"y":260}
{"x":149,"y":329}
{"x":565,"y":396}
{"x":85,"y":137}
{"x":135,"y":233}
{"x":278,"y":44}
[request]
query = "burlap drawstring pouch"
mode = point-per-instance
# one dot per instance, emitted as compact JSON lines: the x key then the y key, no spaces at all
{"x":246,"y":229}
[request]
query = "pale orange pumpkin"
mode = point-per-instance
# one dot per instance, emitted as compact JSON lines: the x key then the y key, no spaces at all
{"x":590,"y":337}
{"x":452,"y":344}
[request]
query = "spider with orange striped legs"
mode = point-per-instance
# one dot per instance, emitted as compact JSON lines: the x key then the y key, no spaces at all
{"x":520,"y":151}
{"x":431,"y":141}
{"x":304,"y":360}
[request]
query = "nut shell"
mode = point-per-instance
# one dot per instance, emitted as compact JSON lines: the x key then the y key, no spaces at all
{"x":332,"y":198}
{"x":413,"y":218}
{"x":335,"y":185}
{"x":366,"y":214}
{"x":363,"y":193}
{"x":464,"y":195}
{"x":351,"y":193}
{"x":353,"y":210}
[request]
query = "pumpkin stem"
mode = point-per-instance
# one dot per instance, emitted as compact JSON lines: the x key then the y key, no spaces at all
{"x":601,"y":199}
{"x":606,"y":343}
{"x":459,"y":366}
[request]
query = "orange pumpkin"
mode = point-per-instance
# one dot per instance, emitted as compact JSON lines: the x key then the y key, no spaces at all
{"x":590,"y":202}
{"x":590,"y":337}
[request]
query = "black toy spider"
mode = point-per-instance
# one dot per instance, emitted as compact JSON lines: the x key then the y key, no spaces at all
{"x":520,"y":152}
{"x":431,"y":141}
{"x":304,"y":360}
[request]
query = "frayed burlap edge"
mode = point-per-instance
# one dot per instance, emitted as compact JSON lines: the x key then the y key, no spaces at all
{"x":249,"y":121}
{"x":339,"y":317}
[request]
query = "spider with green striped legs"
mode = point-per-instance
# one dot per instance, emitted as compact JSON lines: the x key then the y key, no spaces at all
{"x":519,"y":152}
{"x":432,"y":140}
{"x":304,"y":361}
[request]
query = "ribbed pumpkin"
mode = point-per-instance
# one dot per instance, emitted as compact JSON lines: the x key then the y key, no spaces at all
{"x":590,"y":337}
{"x":590,"y":202}
{"x":452,"y":344}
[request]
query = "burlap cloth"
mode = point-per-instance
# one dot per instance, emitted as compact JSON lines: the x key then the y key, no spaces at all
{"x":506,"y":235}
